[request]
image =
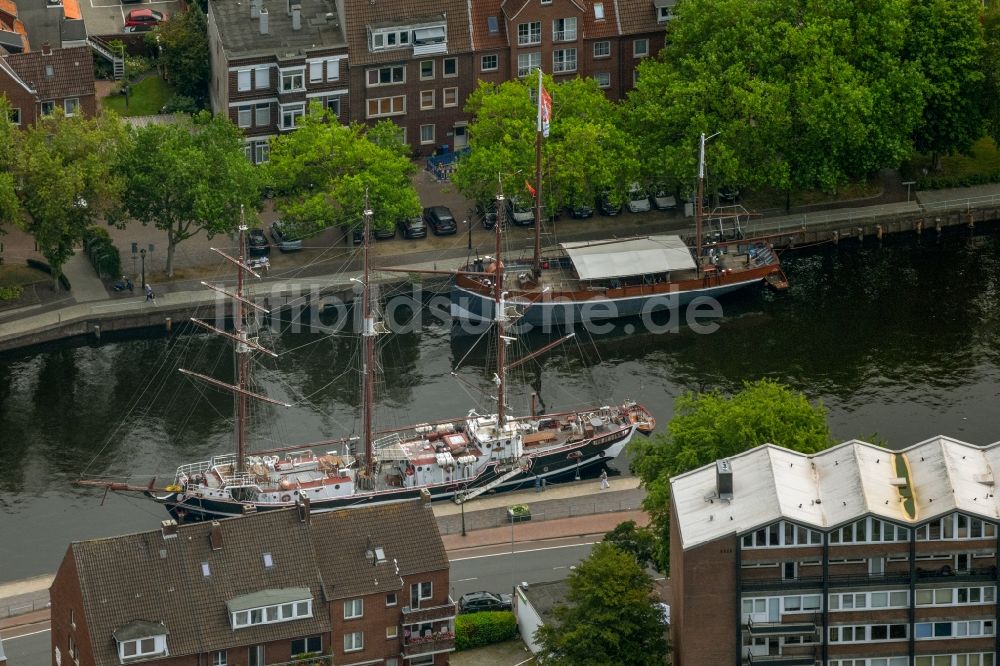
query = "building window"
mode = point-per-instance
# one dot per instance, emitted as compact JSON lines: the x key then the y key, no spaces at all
{"x":332,"y":104}
{"x":243,"y":80}
{"x":602,"y":49}
{"x":316,"y":71}
{"x":564,"y":30}
{"x":489,"y":63}
{"x":272,"y":614}
{"x":529,"y":33}
{"x":426,"y":134}
{"x":71,"y":105}
{"x":386,"y":106}
{"x":47,"y":107}
{"x":15,"y":116}
{"x":546,"y":2}
{"x":664,"y":14}
{"x":391,"y":599}
{"x":493,"y":25}
{"x":420,"y":592}
{"x":72,"y":618}
{"x":964,"y":629}
{"x":563,"y":60}
{"x":426,"y":70}
{"x":257,"y":655}
{"x":354,"y":641}
{"x":307,"y":645}
{"x":426,"y":99}
{"x":262,"y":152}
{"x":244,"y":116}
{"x":449,"y":67}
{"x":391,"y":632}
{"x":263,"y":115}
{"x":220,"y":658}
{"x":293,"y":81}
{"x":333,"y":69}
{"x":868,"y":633}
{"x":142,"y":647}
{"x":386,"y":76}
{"x":603,"y":79}
{"x":248,"y":151}
{"x":261,"y":78}
{"x":599,"y":11}
{"x":528,"y":62}
{"x":390,"y":39}
{"x":354,"y":608}
{"x":449,"y":97}
{"x":290,"y":113}
{"x":640,"y":48}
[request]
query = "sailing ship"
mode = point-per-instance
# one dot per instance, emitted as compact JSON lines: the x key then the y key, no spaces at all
{"x":585,"y":281}
{"x":458,"y":458}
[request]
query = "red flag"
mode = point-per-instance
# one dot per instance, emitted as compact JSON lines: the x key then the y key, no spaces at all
{"x":530,"y":188}
{"x":546,"y":111}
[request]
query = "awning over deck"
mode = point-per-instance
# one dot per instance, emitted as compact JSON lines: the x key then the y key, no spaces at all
{"x":597,"y":260}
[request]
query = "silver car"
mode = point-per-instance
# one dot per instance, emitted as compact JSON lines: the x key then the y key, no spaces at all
{"x":285,"y":241}
{"x":638,"y":200}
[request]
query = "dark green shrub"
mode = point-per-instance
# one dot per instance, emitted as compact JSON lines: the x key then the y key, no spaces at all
{"x":45,"y":268}
{"x":104,"y":256}
{"x":11,"y":293}
{"x":478,"y":629}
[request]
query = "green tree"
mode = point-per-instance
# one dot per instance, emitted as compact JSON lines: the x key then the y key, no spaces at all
{"x":991,"y":70}
{"x":586,"y":151}
{"x":713,"y":425}
{"x":185,"y":57}
{"x":642,"y":543}
{"x":9,"y":205}
{"x":610,"y":616}
{"x":946,"y":40}
{"x":189,"y":177}
{"x":67,"y":182}
{"x":804,"y":95}
{"x":323,"y":169}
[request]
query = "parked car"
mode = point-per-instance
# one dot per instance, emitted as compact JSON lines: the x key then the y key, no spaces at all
{"x":729,"y":193}
{"x":286,"y":241}
{"x":580,"y":209}
{"x":384,"y":233}
{"x":606,"y":206}
{"x":520,"y":212}
{"x":486,"y":211}
{"x":257,"y":245}
{"x":412,"y":227}
{"x":440,"y":220}
{"x":144,"y":16}
{"x":483,"y":601}
{"x":661,"y":198}
{"x":638,"y":200}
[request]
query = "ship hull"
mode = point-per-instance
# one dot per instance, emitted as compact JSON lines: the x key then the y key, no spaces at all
{"x":550,"y":465}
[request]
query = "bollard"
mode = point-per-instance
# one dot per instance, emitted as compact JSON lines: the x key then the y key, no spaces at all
{"x":878,"y":231}
{"x":97,"y":331}
{"x":972,"y":221}
{"x":920,"y":227}
{"x":168,"y":323}
{"x":836,"y":237}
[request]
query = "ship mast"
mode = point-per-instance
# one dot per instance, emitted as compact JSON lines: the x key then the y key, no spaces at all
{"x":501,"y":318}
{"x":699,"y":211}
{"x":372,"y":328}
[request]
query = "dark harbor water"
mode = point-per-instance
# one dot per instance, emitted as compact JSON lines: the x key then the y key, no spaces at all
{"x":900,"y":342}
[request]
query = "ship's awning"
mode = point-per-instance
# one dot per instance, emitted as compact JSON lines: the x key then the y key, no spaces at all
{"x":631,"y":256}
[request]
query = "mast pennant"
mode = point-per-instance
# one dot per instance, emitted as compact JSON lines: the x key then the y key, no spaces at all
{"x":544,"y":107}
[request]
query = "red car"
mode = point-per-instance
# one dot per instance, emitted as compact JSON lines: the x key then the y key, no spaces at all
{"x":144,"y":17}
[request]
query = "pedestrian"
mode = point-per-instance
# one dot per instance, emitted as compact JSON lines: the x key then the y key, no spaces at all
{"x":129,"y":285}
{"x":604,"y":480}
{"x":150,"y":296}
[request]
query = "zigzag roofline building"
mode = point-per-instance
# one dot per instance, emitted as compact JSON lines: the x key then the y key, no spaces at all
{"x":855,"y":556}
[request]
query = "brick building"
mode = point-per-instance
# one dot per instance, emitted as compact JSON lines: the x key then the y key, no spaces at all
{"x":270,"y":58}
{"x":856,"y":556}
{"x":367,"y":585}
{"x":37,"y":82}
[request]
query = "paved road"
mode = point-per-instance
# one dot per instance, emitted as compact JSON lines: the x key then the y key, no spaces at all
{"x":497,"y":570}
{"x":29,"y":650}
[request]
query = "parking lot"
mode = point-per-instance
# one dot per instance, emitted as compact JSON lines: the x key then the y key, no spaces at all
{"x":107,"y":17}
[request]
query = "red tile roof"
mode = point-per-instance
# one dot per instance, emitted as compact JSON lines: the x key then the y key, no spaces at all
{"x":638,"y":17}
{"x":482,"y":38}
{"x":71,"y":73}
{"x":599,"y":29}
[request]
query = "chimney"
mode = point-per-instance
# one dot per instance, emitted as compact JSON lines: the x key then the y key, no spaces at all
{"x":302,"y":506}
{"x":169,"y":529}
{"x":263,"y":20}
{"x":254,"y":9}
{"x":296,"y":17}
{"x":46,"y":49}
{"x":215,"y":536}
{"x":724,"y":479}
{"x":425,"y":497}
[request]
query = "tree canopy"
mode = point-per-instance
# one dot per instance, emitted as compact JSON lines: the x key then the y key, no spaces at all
{"x":713,"y":425}
{"x":189,"y":177}
{"x":64,"y":167}
{"x":9,"y":206}
{"x":185,"y":56}
{"x":585,"y":153}
{"x":323,"y":169}
{"x":640,"y":542}
{"x":991,"y":70}
{"x":610,"y":616}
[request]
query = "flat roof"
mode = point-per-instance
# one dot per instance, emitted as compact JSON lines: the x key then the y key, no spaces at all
{"x":240,"y":34}
{"x":597,"y":260}
{"x":836,"y":486}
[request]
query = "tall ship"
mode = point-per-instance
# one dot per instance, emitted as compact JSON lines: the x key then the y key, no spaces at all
{"x":456,"y":459}
{"x":578,"y":282}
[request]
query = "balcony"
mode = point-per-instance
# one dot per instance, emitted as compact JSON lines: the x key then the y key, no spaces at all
{"x":845,"y":580}
{"x":947,"y":573}
{"x":780,"y":659}
{"x":781,"y":628}
{"x":430,"y":613}
{"x":308,"y":660}
{"x":416,"y":646}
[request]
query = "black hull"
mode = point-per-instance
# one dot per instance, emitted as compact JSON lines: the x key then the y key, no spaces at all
{"x":559,"y":464}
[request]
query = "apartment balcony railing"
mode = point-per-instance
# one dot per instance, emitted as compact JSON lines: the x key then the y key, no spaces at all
{"x":430,"y":613}
{"x":853,"y":580}
{"x":417,"y":646}
{"x":781,"y":628}
{"x":308,"y":660}
{"x":808,"y":659}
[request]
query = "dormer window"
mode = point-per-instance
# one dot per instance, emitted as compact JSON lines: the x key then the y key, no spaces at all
{"x":141,"y":639}
{"x":664,"y":9}
{"x":424,"y":38}
{"x":270,"y":607}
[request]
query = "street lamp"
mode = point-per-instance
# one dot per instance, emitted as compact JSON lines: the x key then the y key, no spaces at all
{"x":463,"y":513}
{"x":142,"y":253}
{"x":468,"y":224}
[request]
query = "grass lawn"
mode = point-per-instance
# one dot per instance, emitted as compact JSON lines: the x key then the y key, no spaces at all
{"x":145,"y":98}
{"x":983,"y":158}
{"x":12,"y":275}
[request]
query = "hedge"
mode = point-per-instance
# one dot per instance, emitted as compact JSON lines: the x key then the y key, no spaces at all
{"x":968,"y":180}
{"x":45,"y":268}
{"x":474,"y":630}
{"x":103,"y":254}
{"x":11,"y":293}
